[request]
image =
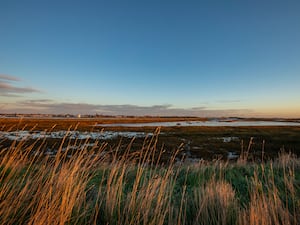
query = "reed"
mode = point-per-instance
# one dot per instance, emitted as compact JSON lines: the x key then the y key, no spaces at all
{"x":96,"y":185}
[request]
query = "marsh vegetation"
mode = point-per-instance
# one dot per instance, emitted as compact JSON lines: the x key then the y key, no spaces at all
{"x":150,"y":179}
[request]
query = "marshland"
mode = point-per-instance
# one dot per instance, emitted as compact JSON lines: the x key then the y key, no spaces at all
{"x":72,"y":172}
{"x":149,"y":112}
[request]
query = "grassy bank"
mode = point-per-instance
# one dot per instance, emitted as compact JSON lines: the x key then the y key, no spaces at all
{"x":95,"y":187}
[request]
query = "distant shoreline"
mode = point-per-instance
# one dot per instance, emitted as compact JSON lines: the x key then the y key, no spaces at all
{"x":139,"y":123}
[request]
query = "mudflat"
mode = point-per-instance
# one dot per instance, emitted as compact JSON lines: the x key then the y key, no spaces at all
{"x":194,"y":142}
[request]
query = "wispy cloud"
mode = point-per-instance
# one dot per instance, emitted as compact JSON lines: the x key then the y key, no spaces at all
{"x":229,"y":101}
{"x":8,"y":77}
{"x":49,"y":106}
{"x":8,"y":89}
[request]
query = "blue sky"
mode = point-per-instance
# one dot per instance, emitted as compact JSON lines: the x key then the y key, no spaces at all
{"x":204,"y":58}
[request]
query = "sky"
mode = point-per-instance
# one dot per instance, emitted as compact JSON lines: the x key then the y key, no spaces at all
{"x":159,"y":57}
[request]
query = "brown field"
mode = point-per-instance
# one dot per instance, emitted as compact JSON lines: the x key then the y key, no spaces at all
{"x":80,"y":123}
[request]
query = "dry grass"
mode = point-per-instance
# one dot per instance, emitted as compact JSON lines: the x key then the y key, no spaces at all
{"x":41,"y":190}
{"x":267,"y":206}
{"x":215,"y":203}
{"x":87,"y":188}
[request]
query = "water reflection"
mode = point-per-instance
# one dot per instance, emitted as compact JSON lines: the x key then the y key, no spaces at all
{"x":212,"y":123}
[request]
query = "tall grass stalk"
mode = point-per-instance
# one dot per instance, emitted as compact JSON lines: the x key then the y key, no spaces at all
{"x":95,"y":185}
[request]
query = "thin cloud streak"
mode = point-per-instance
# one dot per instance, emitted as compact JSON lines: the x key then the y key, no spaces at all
{"x":229,"y":101}
{"x":9,"y":77}
{"x":9,"y":90}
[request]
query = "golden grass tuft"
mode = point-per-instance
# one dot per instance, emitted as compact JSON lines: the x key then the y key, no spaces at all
{"x":94,"y":186}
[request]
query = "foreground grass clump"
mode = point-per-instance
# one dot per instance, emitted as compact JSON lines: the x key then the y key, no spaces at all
{"x":94,"y":186}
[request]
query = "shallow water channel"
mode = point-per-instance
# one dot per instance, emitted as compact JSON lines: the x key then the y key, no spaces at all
{"x":210,"y":123}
